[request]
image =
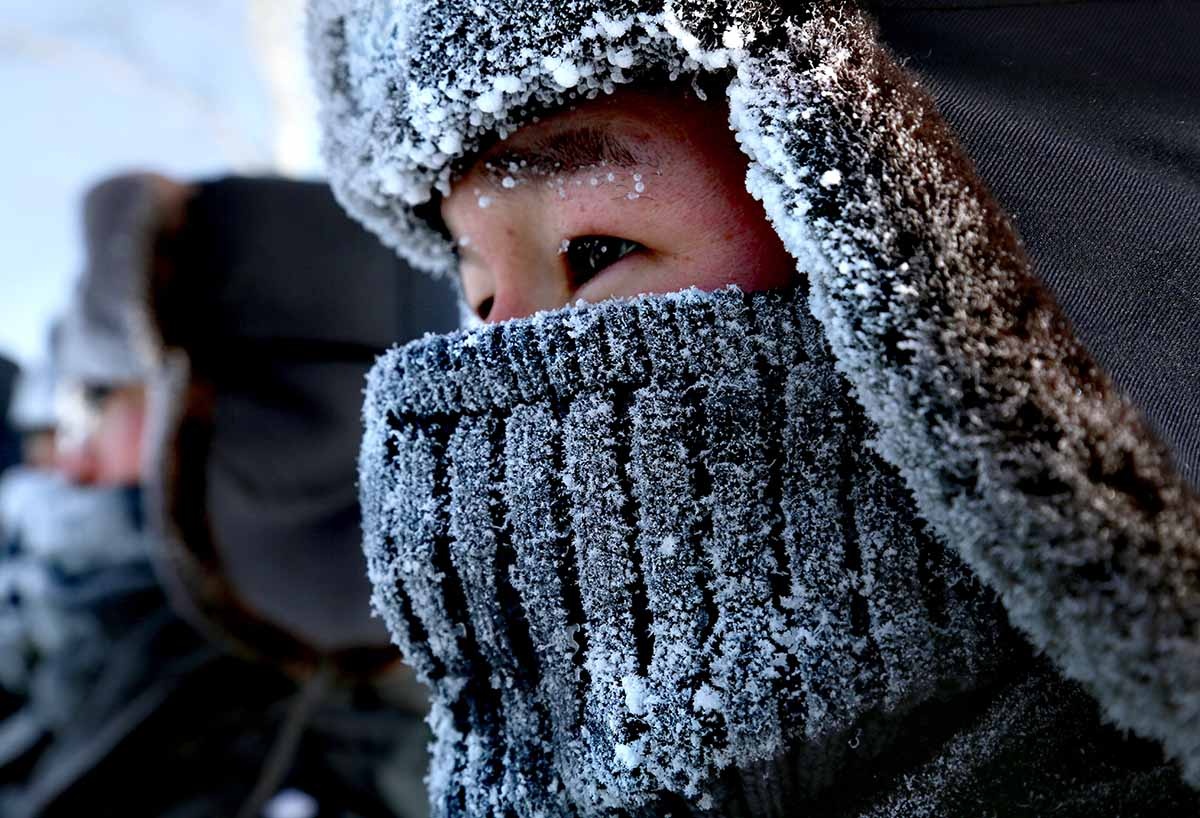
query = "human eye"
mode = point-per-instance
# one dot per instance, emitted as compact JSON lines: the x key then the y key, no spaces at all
{"x":587,"y":256}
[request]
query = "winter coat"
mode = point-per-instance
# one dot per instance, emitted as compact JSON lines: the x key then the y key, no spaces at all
{"x":1019,"y":450}
{"x":1081,"y":120}
{"x":74,"y":578}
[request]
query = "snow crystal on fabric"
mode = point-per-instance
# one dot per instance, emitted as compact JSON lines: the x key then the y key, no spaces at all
{"x":637,"y":547}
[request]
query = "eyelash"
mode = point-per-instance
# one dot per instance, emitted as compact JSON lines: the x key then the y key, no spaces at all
{"x":588,"y":256}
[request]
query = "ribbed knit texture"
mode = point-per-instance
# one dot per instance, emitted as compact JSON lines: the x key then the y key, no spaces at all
{"x":645,"y":557}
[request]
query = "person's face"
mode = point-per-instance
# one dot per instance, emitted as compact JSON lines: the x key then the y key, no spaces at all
{"x":632,"y":193}
{"x":101,"y":442}
{"x":39,"y":450}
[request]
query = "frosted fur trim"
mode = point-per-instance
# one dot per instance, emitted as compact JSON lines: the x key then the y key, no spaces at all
{"x":640,"y":547}
{"x":1018,"y":447}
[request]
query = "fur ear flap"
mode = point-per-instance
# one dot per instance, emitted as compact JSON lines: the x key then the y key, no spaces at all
{"x":108,"y":334}
{"x":1017,"y":446}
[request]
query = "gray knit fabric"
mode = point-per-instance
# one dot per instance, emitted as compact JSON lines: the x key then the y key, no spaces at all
{"x":645,"y":557}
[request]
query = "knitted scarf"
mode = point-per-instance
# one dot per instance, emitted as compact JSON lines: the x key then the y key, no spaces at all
{"x":645,"y":556}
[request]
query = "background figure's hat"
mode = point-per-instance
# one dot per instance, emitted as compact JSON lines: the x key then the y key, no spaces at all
{"x":34,"y":402}
{"x":106,"y":337}
{"x":272,"y":309}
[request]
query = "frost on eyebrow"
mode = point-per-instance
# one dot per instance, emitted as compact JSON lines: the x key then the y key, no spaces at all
{"x":569,"y":152}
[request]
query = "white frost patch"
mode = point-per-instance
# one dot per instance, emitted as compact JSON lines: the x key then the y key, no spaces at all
{"x":450,"y":143}
{"x":611,"y":26}
{"x":291,"y":804}
{"x":707,"y":699}
{"x":566,"y":75}
{"x":831,"y":178}
{"x":490,"y":101}
{"x":508,"y":83}
{"x":635,"y":693}
{"x":622,"y":58}
{"x":628,"y":756}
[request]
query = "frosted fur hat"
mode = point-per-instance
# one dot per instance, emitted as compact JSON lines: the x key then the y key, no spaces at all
{"x":1016,"y":445}
{"x":107,"y":336}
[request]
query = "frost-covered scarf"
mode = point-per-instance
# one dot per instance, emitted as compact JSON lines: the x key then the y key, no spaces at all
{"x":1016,"y":445}
{"x":646,"y":558}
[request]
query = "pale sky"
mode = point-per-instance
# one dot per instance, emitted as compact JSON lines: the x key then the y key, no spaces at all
{"x":91,"y":87}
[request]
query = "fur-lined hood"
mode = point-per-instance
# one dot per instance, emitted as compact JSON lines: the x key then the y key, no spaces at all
{"x":257,"y":406}
{"x":219,"y":297}
{"x":1015,"y":443}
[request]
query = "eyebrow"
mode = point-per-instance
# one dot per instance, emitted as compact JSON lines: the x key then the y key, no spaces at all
{"x":570,"y":152}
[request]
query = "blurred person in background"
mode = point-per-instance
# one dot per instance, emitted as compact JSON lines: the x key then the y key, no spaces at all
{"x":207,"y":357}
{"x":31,"y":413}
{"x":72,"y":546}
